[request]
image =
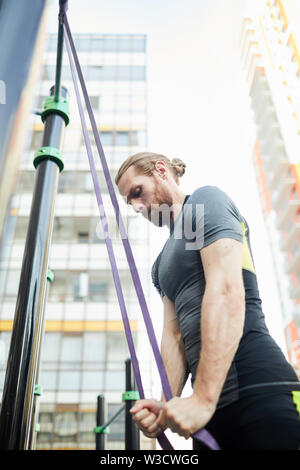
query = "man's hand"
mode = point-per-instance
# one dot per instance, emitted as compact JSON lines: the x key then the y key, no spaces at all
{"x":145,"y":415}
{"x":185,"y":416}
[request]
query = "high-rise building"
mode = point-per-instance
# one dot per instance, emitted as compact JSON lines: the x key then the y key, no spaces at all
{"x":270,"y":48}
{"x":84,"y":347}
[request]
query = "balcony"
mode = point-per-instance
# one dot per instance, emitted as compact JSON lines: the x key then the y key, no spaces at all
{"x":268,"y":131}
{"x":73,"y":256}
{"x":277,"y":167}
{"x":293,"y":232}
{"x":293,"y":266}
{"x":288,"y":213}
{"x":282,"y":193}
{"x":295,"y":292}
{"x":262,"y":103}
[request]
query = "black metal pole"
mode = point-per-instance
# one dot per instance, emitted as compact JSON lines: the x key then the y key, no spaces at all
{"x":132,"y":436}
{"x":38,"y":388}
{"x":59,"y":56}
{"x":20,"y":379}
{"x":100,"y":436}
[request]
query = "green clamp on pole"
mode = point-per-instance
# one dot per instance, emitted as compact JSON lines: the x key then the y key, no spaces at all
{"x":38,"y":390}
{"x":53,"y":106}
{"x":130,"y":395}
{"x":50,"y":275}
{"x":37,"y":427}
{"x":51,"y":153}
{"x":101,"y":430}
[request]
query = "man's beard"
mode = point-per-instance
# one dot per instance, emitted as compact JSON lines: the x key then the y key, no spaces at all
{"x":160,"y":213}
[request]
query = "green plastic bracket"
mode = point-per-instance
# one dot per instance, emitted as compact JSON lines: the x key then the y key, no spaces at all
{"x":38,"y":390}
{"x":60,"y":107}
{"x":50,"y":275}
{"x":37,"y":427}
{"x":130,"y":395}
{"x":51,"y":153}
{"x":100,"y":430}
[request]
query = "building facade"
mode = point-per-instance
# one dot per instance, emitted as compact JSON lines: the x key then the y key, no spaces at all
{"x":270,"y":50}
{"x":84,"y":348}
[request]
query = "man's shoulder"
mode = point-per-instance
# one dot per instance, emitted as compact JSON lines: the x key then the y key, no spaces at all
{"x":207,"y":191}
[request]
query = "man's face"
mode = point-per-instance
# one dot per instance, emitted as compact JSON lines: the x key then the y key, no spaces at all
{"x":148,"y":195}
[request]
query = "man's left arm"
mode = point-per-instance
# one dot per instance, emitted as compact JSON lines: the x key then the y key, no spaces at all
{"x":222,"y":322}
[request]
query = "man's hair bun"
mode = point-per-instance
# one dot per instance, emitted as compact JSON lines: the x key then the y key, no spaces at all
{"x":179,"y":166}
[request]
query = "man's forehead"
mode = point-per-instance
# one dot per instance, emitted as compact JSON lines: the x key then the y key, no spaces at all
{"x":128,"y":181}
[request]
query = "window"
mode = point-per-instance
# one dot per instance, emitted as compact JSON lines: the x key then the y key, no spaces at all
{"x":94,"y":100}
{"x":40,"y":101}
{"x":12,"y":283}
{"x":68,"y":380}
{"x":122,"y":138}
{"x":105,"y":43}
{"x":57,"y":291}
{"x":78,"y":286}
{"x":115,"y":380}
{"x":117,"y":427}
{"x":50,"y":348}
{"x":97,"y":290}
{"x":92,"y":380}
{"x":71,"y":348}
{"x":83,"y":237}
{"x":68,"y":182}
{"x":106,"y":138}
{"x":94,"y":347}
{"x":99,"y":73}
{"x":4,"y":346}
{"x":27,"y":182}
{"x":36,"y":140}
{"x":116,"y":347}
{"x":48,"y":380}
{"x":65,"y":426}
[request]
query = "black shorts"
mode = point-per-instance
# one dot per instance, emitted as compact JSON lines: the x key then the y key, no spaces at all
{"x":257,"y":422}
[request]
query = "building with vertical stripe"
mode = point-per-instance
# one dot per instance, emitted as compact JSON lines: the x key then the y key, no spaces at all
{"x":270,"y":51}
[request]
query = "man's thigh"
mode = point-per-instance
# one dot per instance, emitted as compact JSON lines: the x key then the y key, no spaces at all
{"x":261,"y":422}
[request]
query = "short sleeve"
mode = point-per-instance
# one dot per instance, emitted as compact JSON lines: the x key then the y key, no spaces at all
{"x":214,"y":216}
{"x":154,"y":276}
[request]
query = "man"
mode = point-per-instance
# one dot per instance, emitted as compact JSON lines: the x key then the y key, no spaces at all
{"x":244,"y":391}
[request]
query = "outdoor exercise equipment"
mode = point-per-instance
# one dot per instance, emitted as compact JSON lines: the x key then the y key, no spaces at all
{"x":132,"y":440}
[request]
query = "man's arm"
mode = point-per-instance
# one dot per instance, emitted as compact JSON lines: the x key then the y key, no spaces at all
{"x":172,"y":349}
{"x":173,"y":355}
{"x":222,"y":321}
{"x":222,"y":317}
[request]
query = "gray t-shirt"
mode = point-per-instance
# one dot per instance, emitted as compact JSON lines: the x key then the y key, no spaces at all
{"x":206,"y":216}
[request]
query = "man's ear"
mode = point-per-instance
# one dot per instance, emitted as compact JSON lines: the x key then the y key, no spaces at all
{"x":160,"y":169}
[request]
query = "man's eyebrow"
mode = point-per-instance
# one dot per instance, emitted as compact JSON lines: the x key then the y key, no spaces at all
{"x":127,"y":198}
{"x":131,"y":190}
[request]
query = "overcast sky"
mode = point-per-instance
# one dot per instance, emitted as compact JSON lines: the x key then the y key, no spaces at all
{"x":198,"y":104}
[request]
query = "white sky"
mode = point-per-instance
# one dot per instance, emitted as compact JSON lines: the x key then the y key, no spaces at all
{"x":198,"y":105}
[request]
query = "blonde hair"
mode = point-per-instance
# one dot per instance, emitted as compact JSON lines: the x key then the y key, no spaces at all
{"x":144,"y":162}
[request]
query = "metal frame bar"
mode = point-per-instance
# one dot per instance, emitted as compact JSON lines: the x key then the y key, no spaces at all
{"x":21,"y":373}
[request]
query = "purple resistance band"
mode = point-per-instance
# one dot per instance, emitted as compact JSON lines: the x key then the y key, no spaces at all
{"x":201,"y":435}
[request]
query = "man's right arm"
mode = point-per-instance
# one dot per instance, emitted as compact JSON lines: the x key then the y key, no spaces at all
{"x":172,"y":350}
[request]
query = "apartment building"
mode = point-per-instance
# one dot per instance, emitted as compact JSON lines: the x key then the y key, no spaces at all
{"x":270,"y":51}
